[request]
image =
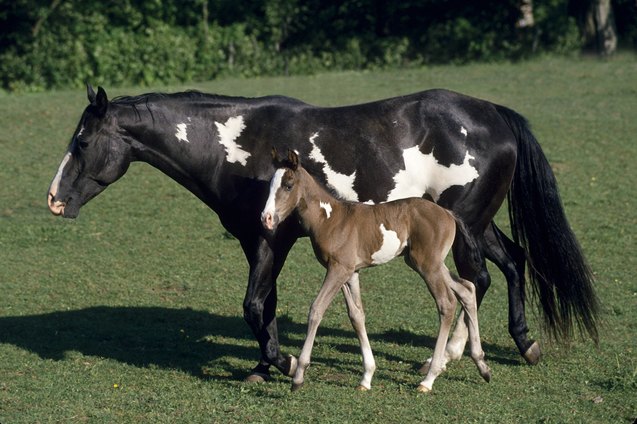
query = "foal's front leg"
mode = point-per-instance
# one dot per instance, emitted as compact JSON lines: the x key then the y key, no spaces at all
{"x":354,"y":302}
{"x":336,"y":276}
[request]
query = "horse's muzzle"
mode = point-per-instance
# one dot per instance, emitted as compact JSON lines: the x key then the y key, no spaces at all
{"x":55,"y":206}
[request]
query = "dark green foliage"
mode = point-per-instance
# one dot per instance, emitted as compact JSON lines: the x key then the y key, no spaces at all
{"x":53,"y":44}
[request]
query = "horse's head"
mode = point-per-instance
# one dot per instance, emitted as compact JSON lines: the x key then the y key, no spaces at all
{"x":285,"y":192}
{"x":96,"y":157}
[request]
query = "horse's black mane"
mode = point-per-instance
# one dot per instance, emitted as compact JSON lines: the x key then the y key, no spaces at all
{"x":191,"y":95}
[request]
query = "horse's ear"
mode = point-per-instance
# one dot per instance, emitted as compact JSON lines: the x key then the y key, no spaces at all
{"x":90,"y":93}
{"x":101,"y":101}
{"x":293,"y":159}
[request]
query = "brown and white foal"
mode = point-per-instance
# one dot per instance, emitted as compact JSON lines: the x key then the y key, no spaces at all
{"x":350,"y":236}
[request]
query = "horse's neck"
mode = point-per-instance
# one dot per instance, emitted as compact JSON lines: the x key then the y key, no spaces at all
{"x":159,"y":146}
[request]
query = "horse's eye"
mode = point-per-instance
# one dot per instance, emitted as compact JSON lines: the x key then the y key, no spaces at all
{"x":83,"y":144}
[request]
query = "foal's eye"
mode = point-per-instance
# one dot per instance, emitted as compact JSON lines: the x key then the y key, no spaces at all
{"x":287,"y":187}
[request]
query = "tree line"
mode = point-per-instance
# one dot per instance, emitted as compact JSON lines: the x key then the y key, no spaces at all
{"x":48,"y":44}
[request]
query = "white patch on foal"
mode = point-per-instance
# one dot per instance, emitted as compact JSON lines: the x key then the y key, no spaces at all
{"x":391,"y":247}
{"x":327,"y":207}
{"x":343,"y":184}
{"x":181,"y":133}
{"x":270,"y":204}
{"x":228,"y":133}
{"x":423,"y":174}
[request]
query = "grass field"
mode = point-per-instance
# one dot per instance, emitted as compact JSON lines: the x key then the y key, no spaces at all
{"x":132,"y":313}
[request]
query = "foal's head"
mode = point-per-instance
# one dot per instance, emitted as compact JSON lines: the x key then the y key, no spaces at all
{"x":285,"y":191}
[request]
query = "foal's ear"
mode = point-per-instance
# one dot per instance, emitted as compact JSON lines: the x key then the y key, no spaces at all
{"x":293,"y":159}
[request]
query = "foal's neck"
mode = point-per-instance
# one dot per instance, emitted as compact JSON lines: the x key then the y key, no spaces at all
{"x":317,"y":205}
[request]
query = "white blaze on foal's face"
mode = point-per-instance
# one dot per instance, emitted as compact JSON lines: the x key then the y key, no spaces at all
{"x":391,"y":247}
{"x":281,"y":201}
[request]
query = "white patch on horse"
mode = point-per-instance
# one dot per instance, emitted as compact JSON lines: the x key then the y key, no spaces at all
{"x":391,"y":247}
{"x":463,"y":131}
{"x":423,"y":174}
{"x":327,"y":207}
{"x":53,"y":188}
{"x":369,"y":202}
{"x":275,"y":184}
{"x":228,"y":133}
{"x":342,"y":183}
{"x":181,"y":133}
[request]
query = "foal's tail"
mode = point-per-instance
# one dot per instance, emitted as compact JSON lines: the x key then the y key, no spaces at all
{"x":559,"y":273}
{"x":466,"y":251}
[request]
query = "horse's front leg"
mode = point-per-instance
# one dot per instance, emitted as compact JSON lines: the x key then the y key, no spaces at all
{"x":336,"y":276}
{"x":259,"y":308}
{"x":354,"y":303}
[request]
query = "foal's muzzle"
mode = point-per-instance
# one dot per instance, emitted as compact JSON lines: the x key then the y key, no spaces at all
{"x":269,"y":220}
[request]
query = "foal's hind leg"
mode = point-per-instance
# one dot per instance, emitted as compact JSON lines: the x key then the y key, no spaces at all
{"x":352,"y":294}
{"x":465,"y":292}
{"x":446,"y":304}
{"x":334,"y":279}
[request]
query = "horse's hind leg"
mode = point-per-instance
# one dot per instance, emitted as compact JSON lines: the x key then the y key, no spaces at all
{"x":510,"y":259}
{"x":466,"y":294}
{"x":334,"y":279}
{"x":352,"y":294}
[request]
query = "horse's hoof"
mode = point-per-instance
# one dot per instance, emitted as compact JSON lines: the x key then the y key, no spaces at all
{"x":296,"y":387}
{"x":422,"y":389}
{"x":290,"y":365}
{"x":532,"y":354}
{"x":257,"y":377}
{"x":362,"y":388}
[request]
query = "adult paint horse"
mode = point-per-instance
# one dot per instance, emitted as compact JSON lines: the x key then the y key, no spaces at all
{"x":348,"y":237}
{"x":466,"y":154}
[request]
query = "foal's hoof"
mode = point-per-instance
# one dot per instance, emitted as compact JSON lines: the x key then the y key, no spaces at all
{"x":486,"y":375}
{"x":290,"y":365}
{"x":296,"y":386}
{"x":362,"y":388}
{"x":257,"y":377}
{"x":422,"y":389}
{"x":532,"y":354}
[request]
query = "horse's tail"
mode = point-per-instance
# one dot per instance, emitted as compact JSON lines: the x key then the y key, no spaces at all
{"x":472,"y":256}
{"x":559,"y":273}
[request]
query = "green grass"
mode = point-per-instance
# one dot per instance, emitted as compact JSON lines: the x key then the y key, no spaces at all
{"x":133,"y":311}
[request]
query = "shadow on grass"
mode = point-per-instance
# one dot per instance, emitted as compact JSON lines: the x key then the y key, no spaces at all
{"x":180,"y":339}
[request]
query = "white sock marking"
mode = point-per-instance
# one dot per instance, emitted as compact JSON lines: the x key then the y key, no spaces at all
{"x":327,"y":207}
{"x":228,"y":133}
{"x":423,"y":174}
{"x":343,"y":184}
{"x":391,"y":247}
{"x":181,"y":133}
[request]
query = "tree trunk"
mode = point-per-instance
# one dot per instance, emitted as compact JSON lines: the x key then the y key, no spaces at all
{"x":597,"y":25}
